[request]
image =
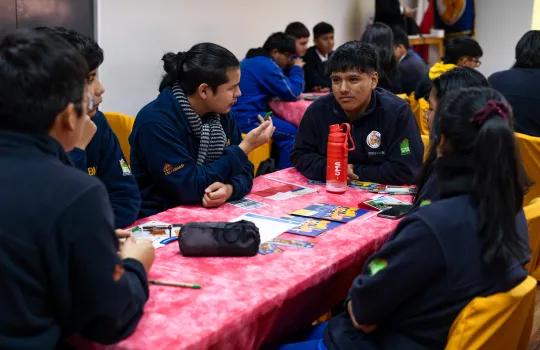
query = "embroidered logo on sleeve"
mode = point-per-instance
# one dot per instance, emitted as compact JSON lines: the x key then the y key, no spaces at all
{"x":92,"y":170}
{"x":126,"y":171}
{"x":169,"y":169}
{"x":377,"y":265}
{"x":373,"y":140}
{"x":425,"y":202}
{"x":404,"y":147}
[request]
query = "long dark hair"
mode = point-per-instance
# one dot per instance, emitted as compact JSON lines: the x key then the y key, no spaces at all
{"x":528,"y":50}
{"x":476,"y":124}
{"x":381,"y":37}
{"x":457,"y":78}
{"x":203,"y":63}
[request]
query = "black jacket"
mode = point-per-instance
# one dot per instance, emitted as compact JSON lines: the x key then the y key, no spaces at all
{"x":315,"y":71}
{"x":395,"y":154}
{"x":521,"y":88}
{"x":59,"y":267}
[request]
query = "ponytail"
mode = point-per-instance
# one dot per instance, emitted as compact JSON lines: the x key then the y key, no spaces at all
{"x":203,"y":63}
{"x":477,"y":126}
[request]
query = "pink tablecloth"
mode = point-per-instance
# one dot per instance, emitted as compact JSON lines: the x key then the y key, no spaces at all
{"x":246,"y":302}
{"x":292,"y":111}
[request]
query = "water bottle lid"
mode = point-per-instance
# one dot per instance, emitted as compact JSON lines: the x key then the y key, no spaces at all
{"x":335,"y":128}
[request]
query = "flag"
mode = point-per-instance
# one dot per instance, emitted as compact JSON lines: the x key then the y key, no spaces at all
{"x":456,"y":17}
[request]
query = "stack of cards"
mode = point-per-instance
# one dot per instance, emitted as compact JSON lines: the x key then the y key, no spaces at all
{"x":383,"y":189}
{"x":330,"y":212}
{"x":311,"y":227}
{"x":276,"y":245}
{"x":283,"y":191}
{"x":381,"y":203}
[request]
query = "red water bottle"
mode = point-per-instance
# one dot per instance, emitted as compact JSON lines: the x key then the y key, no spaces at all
{"x":337,"y":157}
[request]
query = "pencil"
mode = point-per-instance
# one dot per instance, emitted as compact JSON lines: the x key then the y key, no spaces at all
{"x":175,"y":284}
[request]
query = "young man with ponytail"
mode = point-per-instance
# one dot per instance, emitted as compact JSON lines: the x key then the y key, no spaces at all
{"x":411,"y":291}
{"x":185,"y":146}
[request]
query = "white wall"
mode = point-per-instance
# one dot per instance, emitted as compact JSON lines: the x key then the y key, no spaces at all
{"x":136,"y":33}
{"x":499,"y":25}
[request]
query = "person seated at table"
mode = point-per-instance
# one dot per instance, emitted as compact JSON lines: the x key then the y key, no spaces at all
{"x":459,"y":52}
{"x":424,"y":256}
{"x":411,"y":67}
{"x":185,"y":147}
{"x":300,"y":33}
{"x":268,"y":72}
{"x":317,"y":78}
{"x":461,"y":77}
{"x":388,"y":145}
{"x":62,"y":273}
{"x":98,"y":152}
{"x":381,"y":37}
{"x":521,"y":83}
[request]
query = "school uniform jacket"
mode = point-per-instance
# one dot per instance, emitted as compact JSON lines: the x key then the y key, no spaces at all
{"x":59,"y":266}
{"x":315,"y":70}
{"x":420,"y":280}
{"x":103,"y":158}
{"x":262,"y":79}
{"x":164,"y":158}
{"x":388,"y":145}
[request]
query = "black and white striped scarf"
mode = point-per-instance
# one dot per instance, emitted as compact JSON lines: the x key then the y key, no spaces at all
{"x":208,"y":129}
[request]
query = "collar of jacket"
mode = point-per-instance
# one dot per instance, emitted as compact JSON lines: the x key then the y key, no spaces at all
{"x":40,"y":142}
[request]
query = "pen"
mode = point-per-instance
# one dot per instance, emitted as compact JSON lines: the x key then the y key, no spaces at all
{"x":267,"y":115}
{"x":175,"y":284}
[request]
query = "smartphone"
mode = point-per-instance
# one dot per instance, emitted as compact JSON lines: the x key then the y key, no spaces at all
{"x":395,"y":211}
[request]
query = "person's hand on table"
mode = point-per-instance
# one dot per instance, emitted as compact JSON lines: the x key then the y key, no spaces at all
{"x":350,"y":172}
{"x":140,"y":250}
{"x":408,"y":12}
{"x":216,"y":194}
{"x":258,"y":136}
{"x":299,"y":62}
{"x":366,"y":328}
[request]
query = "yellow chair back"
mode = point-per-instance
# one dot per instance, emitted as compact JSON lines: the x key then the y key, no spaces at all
{"x":419,"y":108}
{"x":259,"y":154}
{"x":499,"y":321}
{"x":529,"y":148}
{"x":532,"y":213}
{"x":121,"y":124}
{"x":425,"y":141}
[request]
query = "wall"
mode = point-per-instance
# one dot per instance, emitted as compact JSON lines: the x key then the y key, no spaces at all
{"x":136,"y":33}
{"x":536,"y":15}
{"x":499,"y":25}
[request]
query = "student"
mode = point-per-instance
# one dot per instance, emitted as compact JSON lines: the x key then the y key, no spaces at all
{"x":521,"y":83}
{"x":98,"y":152}
{"x":300,"y":33}
{"x":455,"y":79}
{"x":459,"y":52}
{"x":381,"y":37}
{"x":388,"y":145}
{"x":316,"y":58}
{"x":410,"y":292}
{"x":268,"y":72}
{"x":60,"y":267}
{"x":411,"y":67}
{"x":185,"y":147}
{"x":393,"y":14}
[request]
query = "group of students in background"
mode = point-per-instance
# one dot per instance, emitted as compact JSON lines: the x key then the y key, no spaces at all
{"x":63,"y":269}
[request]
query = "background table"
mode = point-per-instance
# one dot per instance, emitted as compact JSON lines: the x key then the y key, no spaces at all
{"x":292,"y":111}
{"x":248,"y":301}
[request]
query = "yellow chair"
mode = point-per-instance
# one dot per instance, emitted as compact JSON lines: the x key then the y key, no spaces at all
{"x":532,"y":213}
{"x":419,"y":108}
{"x":121,"y":124}
{"x":425,"y":141}
{"x":499,"y":321}
{"x":259,"y":154}
{"x":529,"y":148}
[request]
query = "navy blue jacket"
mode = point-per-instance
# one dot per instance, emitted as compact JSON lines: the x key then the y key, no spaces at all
{"x":261,"y":80}
{"x":395,"y":154}
{"x":315,"y":71}
{"x":411,"y":70}
{"x":164,"y":158}
{"x":58,"y":252}
{"x":103,"y":158}
{"x":419,"y":281}
{"x":520,"y":86}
